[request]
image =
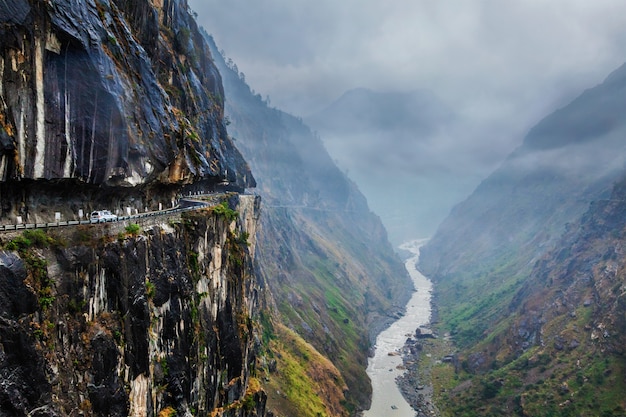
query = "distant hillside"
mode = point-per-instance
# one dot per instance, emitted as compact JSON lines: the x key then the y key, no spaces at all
{"x":331,"y":272}
{"x":544,"y":184}
{"x":522,"y":281}
{"x":385,"y":141}
{"x":596,"y":113}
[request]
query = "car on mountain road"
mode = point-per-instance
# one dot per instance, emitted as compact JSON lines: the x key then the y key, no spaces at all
{"x":100,"y":216}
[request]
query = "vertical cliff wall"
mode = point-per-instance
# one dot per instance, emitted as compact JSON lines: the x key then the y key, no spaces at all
{"x":116,"y":104}
{"x":142,"y":323}
{"x":109,"y":92}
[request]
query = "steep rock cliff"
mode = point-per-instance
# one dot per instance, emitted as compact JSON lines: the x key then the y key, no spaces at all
{"x":109,"y":93}
{"x":333,"y":275}
{"x":155,"y":322}
{"x":117,"y":104}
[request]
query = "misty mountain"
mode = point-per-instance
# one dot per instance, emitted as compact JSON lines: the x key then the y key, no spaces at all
{"x":516,"y":269}
{"x":542,"y":185}
{"x":390,"y":144}
{"x":594,"y":114}
{"x":332,"y":275}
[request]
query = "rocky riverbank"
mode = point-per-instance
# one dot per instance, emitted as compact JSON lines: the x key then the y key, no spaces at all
{"x":427,"y":358}
{"x":415,"y":383}
{"x":423,"y":351}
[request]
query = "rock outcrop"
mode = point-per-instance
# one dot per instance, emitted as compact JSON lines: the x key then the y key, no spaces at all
{"x":117,"y":104}
{"x":109,"y":93}
{"x":156,"y":322}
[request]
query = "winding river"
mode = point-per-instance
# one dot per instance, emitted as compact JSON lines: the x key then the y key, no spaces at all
{"x":387,"y":400}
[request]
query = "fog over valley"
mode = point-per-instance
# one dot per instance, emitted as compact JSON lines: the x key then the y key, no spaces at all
{"x":496,"y":68}
{"x":354,"y":208}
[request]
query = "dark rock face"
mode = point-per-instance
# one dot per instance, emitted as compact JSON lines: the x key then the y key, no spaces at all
{"x":160,"y":321}
{"x":117,"y":104}
{"x":116,"y":93}
{"x":15,"y":297}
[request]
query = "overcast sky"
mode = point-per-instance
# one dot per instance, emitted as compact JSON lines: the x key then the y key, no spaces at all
{"x":304,"y":53}
{"x":500,"y":64}
{"x":496,"y":62}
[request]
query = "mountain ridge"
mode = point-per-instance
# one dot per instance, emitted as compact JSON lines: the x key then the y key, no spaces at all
{"x":523,"y":269}
{"x":599,"y":105}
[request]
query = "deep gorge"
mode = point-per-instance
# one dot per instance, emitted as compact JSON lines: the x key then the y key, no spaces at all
{"x":259,"y":305}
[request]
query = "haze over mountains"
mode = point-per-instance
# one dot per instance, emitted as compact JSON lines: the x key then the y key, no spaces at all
{"x":400,"y":148}
{"x":265,"y":302}
{"x":530,"y":267}
{"x":543,"y":230}
{"x":566,"y":161}
{"x":489,"y":63}
{"x":391,"y":143}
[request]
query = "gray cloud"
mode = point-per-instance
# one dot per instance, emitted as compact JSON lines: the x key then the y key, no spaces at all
{"x":499,"y":65}
{"x":503,"y":64}
{"x":472,"y":51}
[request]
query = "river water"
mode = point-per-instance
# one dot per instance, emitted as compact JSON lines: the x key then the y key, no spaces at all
{"x":387,"y":400}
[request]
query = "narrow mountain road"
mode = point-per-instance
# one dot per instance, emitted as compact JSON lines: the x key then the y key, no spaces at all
{"x":184,"y":204}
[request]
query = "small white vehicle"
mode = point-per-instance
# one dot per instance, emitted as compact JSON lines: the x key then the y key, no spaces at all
{"x":100,"y":216}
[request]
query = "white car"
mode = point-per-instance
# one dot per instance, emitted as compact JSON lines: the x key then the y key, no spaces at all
{"x":102,"y":216}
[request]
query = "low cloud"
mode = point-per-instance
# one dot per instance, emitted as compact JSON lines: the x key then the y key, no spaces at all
{"x":500,"y":66}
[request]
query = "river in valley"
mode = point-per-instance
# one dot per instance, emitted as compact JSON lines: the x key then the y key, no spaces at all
{"x":385,"y":366}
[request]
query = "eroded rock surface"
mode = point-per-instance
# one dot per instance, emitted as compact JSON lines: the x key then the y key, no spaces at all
{"x":133,"y":325}
{"x":111,"y":93}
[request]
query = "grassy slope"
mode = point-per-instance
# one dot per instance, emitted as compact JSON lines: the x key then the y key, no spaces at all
{"x":552,"y":342}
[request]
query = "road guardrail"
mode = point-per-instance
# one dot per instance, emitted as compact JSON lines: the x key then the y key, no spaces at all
{"x":195,"y":204}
